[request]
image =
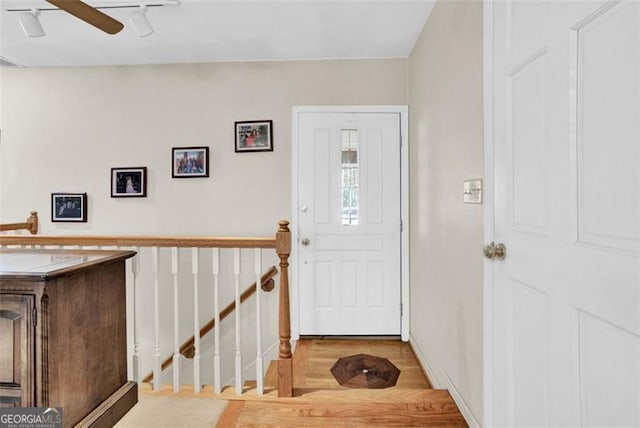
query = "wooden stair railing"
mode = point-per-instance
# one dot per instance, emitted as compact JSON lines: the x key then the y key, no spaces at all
{"x":281,"y":244}
{"x":187,"y":348}
{"x":31,"y":224}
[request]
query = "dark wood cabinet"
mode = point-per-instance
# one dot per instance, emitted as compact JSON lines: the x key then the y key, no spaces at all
{"x":63,"y":333}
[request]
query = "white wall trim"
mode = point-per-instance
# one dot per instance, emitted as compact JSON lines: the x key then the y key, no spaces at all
{"x":488,"y":213}
{"x":422,"y":359}
{"x":403,"y":111}
{"x":449,"y":385}
{"x":461,"y":403}
{"x":404,"y":215}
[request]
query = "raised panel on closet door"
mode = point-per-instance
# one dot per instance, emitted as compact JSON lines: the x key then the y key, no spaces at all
{"x":608,"y":127}
{"x":609,"y":373}
{"x":527,"y":106}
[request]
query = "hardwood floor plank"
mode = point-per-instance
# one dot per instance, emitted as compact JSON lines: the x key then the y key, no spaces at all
{"x":231,"y":414}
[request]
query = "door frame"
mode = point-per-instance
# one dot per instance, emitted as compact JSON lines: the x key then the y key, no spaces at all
{"x":488,"y":213}
{"x":403,"y":112}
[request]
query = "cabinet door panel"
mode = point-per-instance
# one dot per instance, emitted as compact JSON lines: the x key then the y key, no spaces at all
{"x":16,"y":341}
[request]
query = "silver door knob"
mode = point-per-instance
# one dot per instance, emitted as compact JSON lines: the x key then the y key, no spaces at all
{"x":495,"y":251}
{"x":305,"y":241}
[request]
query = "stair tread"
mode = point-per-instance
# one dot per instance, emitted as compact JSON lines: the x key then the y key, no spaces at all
{"x":351,"y":414}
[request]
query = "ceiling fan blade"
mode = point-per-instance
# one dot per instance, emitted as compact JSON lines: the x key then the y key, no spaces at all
{"x":89,"y":14}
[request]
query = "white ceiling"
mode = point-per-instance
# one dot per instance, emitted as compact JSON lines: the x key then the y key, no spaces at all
{"x":220,"y":30}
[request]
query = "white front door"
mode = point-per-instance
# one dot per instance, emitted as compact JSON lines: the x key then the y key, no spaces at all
{"x":348,"y":245}
{"x":565,"y":302}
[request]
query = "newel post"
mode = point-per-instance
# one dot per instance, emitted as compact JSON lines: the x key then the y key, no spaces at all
{"x":285,"y":366}
{"x":33,"y":221}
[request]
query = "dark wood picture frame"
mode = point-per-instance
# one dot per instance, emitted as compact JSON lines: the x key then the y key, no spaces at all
{"x":253,"y":136}
{"x":189,"y":162}
{"x":129,"y":182}
{"x":69,"y":207}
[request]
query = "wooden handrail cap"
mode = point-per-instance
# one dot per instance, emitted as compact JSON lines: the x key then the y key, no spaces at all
{"x":284,"y":226}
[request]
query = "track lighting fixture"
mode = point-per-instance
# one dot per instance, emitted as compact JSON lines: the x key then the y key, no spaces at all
{"x":140,"y":23}
{"x":31,"y":24}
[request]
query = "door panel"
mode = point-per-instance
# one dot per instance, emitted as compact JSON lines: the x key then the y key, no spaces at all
{"x":608,"y":349}
{"x":608,"y":41}
{"x":566,"y":300}
{"x":527,"y":99}
{"x":349,"y":211}
{"x":16,"y":357}
{"x":529,"y":342}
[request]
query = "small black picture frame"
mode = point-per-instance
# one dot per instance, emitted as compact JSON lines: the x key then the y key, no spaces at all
{"x":189,"y":162}
{"x":69,"y":207}
{"x":254,"y":136}
{"x":129,"y":182}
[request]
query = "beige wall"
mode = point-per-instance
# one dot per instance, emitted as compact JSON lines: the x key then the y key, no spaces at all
{"x":63,"y":129}
{"x":445,"y":82}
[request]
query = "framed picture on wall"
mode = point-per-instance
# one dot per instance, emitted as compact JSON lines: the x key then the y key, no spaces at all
{"x":129,"y":182}
{"x":69,"y":207}
{"x":254,"y":136}
{"x":189,"y":162}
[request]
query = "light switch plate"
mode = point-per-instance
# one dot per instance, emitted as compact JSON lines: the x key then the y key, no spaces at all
{"x":472,"y":193}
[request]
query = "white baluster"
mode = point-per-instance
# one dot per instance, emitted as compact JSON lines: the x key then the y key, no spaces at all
{"x":176,"y":322}
{"x":259,"y":367}
{"x":157,"y":364}
{"x":216,"y":329}
{"x":197,"y":385}
{"x":135,"y":360}
{"x":236,"y":274}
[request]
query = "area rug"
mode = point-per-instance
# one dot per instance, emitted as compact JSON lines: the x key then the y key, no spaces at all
{"x":365,"y":371}
{"x":173,"y":411}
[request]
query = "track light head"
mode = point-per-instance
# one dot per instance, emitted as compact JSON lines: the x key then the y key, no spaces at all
{"x":31,"y":24}
{"x":140,"y":23}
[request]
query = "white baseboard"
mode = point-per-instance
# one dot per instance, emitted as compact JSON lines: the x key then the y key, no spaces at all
{"x":450,"y":386}
{"x":461,"y":403}
{"x":422,"y":359}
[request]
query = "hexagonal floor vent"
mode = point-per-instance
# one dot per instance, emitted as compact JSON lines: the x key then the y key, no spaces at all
{"x":365,"y":371}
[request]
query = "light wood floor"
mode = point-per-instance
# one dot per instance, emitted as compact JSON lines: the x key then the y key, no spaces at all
{"x":319,"y":401}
